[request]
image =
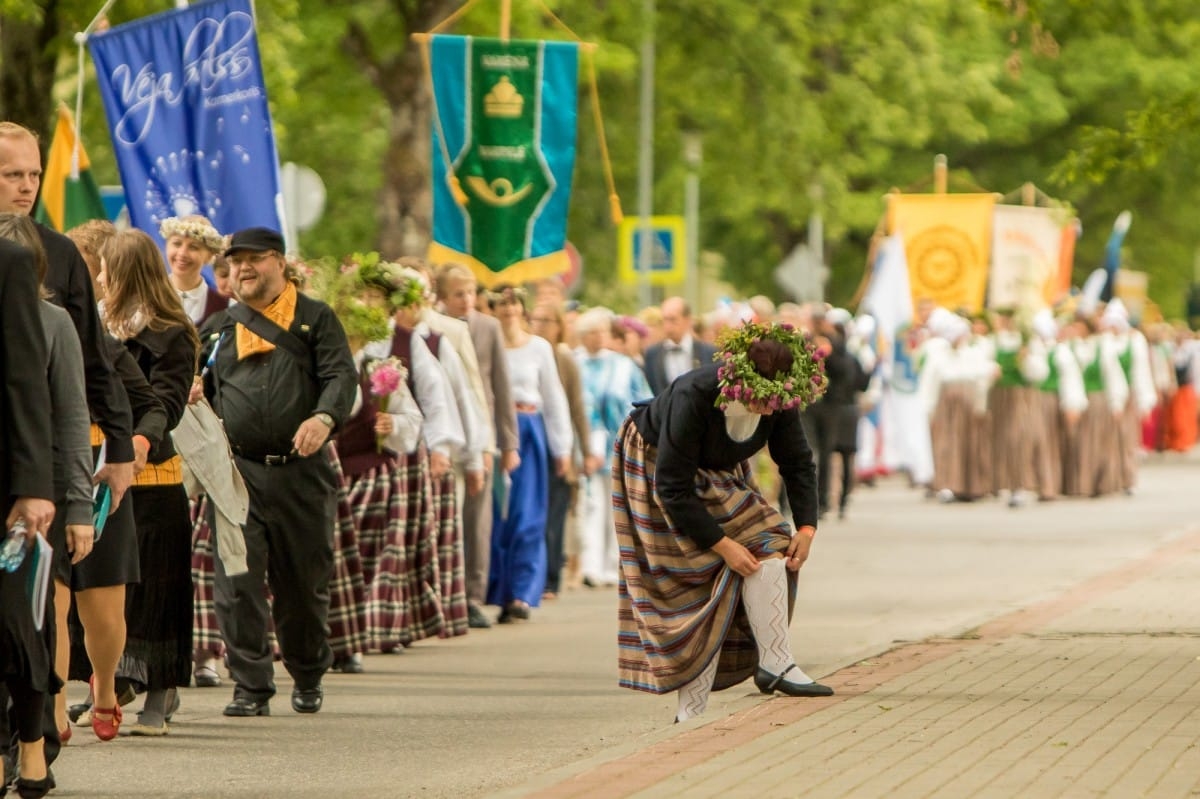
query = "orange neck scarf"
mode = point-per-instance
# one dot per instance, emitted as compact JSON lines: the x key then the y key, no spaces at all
{"x":282,"y":312}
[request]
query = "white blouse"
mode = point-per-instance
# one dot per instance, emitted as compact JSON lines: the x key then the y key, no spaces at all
{"x":533,"y":373}
{"x":443,"y":428}
{"x":475,"y":429}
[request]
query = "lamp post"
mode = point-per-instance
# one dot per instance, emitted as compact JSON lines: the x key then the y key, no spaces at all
{"x":646,"y":158}
{"x":816,"y":244}
{"x":693,"y":157}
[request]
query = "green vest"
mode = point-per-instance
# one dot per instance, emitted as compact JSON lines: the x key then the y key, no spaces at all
{"x":1050,"y":384}
{"x":1010,"y":370}
{"x":1093,"y":377}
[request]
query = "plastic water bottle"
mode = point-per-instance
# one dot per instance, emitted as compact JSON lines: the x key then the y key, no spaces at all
{"x":12,"y":553}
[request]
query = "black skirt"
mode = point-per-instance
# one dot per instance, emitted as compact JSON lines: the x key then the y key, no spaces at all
{"x":114,"y":558}
{"x":158,"y":610}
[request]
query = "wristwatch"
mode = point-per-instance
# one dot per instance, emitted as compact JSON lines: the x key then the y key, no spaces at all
{"x":324,"y":419}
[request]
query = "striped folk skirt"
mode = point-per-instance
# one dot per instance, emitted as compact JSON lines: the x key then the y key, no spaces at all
{"x":395,"y":519}
{"x":347,"y":589}
{"x":1091,"y":464}
{"x":206,"y":634}
{"x":1017,"y":429}
{"x":679,"y":605}
{"x":1129,"y":445}
{"x":1048,"y":450}
{"x":962,"y":443}
{"x":452,"y":575}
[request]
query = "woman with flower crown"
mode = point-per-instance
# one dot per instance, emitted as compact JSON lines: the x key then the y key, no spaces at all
{"x":391,"y":453}
{"x":192,"y":243}
{"x":708,"y":566}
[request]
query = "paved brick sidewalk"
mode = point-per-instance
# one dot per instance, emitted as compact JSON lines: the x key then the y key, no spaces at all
{"x":1093,"y":693}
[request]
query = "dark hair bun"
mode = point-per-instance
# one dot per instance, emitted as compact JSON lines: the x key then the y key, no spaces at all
{"x":770,"y":358}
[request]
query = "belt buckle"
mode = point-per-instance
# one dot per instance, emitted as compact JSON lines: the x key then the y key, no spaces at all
{"x":275,"y":460}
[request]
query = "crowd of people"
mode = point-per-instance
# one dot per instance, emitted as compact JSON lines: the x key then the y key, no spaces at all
{"x":236,"y":457}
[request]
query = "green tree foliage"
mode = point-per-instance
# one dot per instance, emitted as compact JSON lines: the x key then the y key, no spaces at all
{"x":1095,"y":101}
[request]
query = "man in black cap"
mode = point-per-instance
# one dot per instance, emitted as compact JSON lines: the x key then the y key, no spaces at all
{"x":279,"y":372}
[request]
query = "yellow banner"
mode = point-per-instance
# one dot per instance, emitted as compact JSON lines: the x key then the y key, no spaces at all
{"x":947,"y":239}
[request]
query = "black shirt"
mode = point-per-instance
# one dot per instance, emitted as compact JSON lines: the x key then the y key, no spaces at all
{"x":168,"y":360}
{"x":70,"y":284}
{"x":149,"y":415}
{"x":264,"y":398}
{"x":689,"y":431}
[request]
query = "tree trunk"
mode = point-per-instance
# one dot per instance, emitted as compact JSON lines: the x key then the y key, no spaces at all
{"x":27,"y":65}
{"x":406,"y":198}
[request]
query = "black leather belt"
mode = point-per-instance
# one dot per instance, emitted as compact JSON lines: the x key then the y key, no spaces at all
{"x":266,"y":460}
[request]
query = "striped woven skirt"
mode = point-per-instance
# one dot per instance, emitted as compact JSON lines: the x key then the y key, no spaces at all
{"x":397,"y":538}
{"x":1094,"y":460}
{"x":206,"y":634}
{"x":962,"y":443}
{"x":1048,"y":450}
{"x":1017,"y":428}
{"x":679,"y":605}
{"x":452,"y":580}
{"x":347,"y":590}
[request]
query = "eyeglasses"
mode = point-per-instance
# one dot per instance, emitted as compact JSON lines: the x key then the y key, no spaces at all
{"x":546,"y":320}
{"x":238,"y":259}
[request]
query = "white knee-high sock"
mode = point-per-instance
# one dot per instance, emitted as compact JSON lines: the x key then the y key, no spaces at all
{"x":693,"y":697}
{"x":765,"y":596}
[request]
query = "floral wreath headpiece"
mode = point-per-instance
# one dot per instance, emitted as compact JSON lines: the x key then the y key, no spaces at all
{"x":404,"y":285}
{"x":798,"y":387}
{"x":198,"y":229}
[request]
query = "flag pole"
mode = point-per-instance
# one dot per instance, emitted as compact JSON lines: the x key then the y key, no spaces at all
{"x":505,"y":20}
{"x":81,"y":42}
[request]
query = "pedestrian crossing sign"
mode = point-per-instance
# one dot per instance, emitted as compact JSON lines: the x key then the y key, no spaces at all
{"x":668,"y":262}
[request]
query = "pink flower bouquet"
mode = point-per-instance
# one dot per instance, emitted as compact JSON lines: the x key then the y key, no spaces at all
{"x":385,"y":377}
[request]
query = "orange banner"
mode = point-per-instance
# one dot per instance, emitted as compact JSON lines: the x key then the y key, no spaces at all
{"x":947,"y":239}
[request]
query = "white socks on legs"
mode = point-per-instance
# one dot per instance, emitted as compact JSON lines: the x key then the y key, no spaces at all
{"x":765,"y":596}
{"x":693,"y":697}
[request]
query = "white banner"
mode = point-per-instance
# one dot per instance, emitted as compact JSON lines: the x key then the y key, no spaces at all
{"x":1026,"y":246}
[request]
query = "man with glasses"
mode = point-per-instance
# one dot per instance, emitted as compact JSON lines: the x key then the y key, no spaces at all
{"x":279,"y":373}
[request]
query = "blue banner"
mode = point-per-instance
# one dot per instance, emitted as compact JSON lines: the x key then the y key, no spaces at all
{"x":187,"y":112}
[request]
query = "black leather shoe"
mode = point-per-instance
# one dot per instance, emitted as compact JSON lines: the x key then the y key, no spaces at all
{"x":307,"y":700}
{"x":207,"y":677}
{"x":75,"y":711}
{"x":33,"y":789}
{"x":475,"y":618}
{"x":245,"y":706}
{"x":349,"y":665}
{"x":769,"y":683}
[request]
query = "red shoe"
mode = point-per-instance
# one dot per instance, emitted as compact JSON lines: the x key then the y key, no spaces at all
{"x":65,"y":734}
{"x":106,"y":730}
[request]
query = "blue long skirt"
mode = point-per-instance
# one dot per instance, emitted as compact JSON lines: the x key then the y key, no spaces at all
{"x":518,"y":569}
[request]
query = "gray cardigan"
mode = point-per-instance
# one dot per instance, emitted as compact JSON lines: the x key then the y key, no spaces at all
{"x":68,"y":402}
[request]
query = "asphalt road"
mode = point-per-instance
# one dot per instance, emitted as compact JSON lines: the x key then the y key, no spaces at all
{"x":491,"y":711}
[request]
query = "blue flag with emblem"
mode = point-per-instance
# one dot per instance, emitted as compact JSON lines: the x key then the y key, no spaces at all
{"x":504,"y":123}
{"x":187,"y":111}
